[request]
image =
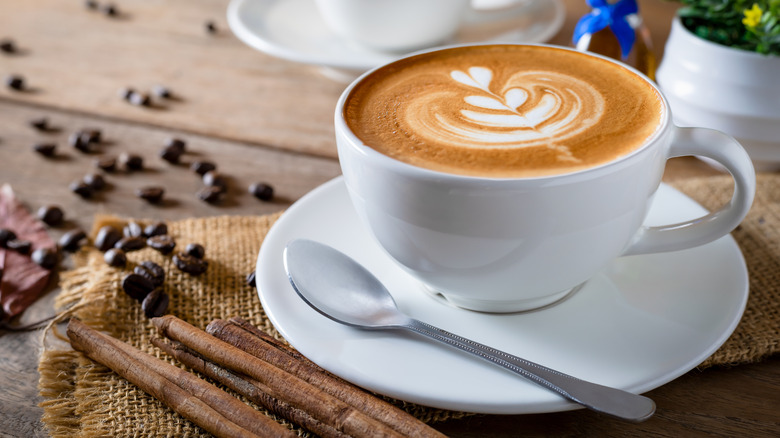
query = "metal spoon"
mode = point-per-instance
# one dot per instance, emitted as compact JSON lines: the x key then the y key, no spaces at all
{"x":341,"y":289}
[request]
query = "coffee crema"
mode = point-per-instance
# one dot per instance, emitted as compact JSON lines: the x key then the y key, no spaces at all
{"x":504,"y":111}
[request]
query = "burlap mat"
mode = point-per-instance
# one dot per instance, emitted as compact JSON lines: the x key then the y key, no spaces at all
{"x":84,"y":399}
{"x":758,"y":333}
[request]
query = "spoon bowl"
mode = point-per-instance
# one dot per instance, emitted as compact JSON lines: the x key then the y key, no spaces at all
{"x":353,"y":296}
{"x":341,"y":289}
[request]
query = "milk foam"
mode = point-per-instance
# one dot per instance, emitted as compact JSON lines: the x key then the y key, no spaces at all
{"x":533,"y":108}
{"x":504,"y":110}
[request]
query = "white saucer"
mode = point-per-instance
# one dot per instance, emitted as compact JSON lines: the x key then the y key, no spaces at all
{"x":294,"y":30}
{"x":639,"y":324}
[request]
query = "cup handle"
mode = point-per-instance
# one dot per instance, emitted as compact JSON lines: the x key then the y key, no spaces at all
{"x":729,"y":153}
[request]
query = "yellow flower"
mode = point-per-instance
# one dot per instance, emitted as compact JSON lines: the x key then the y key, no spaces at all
{"x":752,"y":16}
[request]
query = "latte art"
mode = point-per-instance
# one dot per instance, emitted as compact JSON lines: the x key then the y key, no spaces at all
{"x":503,"y":111}
{"x":530,"y":109}
{"x":511,"y":101}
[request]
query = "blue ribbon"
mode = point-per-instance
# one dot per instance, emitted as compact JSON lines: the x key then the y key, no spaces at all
{"x":604,"y":14}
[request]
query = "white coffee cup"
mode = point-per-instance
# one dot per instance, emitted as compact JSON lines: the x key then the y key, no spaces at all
{"x":403,"y":25}
{"x":513,"y":244}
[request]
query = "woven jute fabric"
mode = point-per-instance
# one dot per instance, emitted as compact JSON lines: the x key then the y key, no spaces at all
{"x":82,"y":398}
{"x":758,"y":236}
{"x":85,"y":399}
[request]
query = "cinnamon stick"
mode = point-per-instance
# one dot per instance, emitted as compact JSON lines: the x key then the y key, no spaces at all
{"x":281,"y":384}
{"x":119,"y":357}
{"x":230,"y":407}
{"x":248,"y":387}
{"x":251,"y":328}
{"x":254,"y":341}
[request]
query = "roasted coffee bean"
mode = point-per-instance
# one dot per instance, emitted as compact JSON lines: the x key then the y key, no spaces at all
{"x":115,"y":257}
{"x":85,"y":139}
{"x":128,"y":244}
{"x":72,"y":240}
{"x":126,"y":92}
{"x":210,"y":26}
{"x":171,"y":155}
{"x":162,"y":243}
{"x":156,"y":229}
{"x":189,"y":264}
{"x":210,"y":194}
{"x":196,"y":250}
{"x":151,"y":194}
{"x":162,"y":91}
{"x":155,"y":269}
{"x":173,"y":150}
{"x":140,"y":270}
{"x":15,"y":82}
{"x":131,"y":161}
{"x":251,"y":279}
{"x":51,"y":215}
{"x":139,"y":99}
{"x":41,"y":124}
{"x":7,"y":46}
{"x":133,"y":229}
{"x":151,"y":270}
{"x":6,"y":236}
{"x":262,"y":191}
{"x":137,"y":287}
{"x":21,"y":246}
{"x":95,"y":181}
{"x":107,"y":237}
{"x":201,"y":167}
{"x":106,"y":163}
{"x":91,"y":135}
{"x":110,"y":10}
{"x":45,"y":149}
{"x":46,"y":258}
{"x":82,"y":189}
{"x":214,"y":179}
{"x":155,"y":304}
{"x":79,"y":143}
{"x":176,"y":143}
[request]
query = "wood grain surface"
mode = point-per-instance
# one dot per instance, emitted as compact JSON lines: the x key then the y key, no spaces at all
{"x":259,"y":119}
{"x":41,"y":180}
{"x":78,"y":60}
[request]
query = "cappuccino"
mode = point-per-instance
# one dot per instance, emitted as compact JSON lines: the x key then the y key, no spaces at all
{"x":504,"y":111}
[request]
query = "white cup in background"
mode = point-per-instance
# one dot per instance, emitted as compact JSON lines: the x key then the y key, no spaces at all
{"x":404,"y":25}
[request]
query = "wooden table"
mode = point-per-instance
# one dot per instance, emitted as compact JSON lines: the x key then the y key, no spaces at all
{"x":260,"y":119}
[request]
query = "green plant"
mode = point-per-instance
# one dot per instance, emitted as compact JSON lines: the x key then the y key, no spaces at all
{"x":746,"y":24}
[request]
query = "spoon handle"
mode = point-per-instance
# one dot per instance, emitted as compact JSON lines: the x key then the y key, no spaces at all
{"x":611,"y":401}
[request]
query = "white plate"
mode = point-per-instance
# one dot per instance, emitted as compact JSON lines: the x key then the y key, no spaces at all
{"x":641,"y":323}
{"x":294,"y":30}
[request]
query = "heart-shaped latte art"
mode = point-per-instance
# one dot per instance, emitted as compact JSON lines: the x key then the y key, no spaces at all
{"x":531,"y":108}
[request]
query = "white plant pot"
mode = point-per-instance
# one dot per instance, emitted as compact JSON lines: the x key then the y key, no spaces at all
{"x":731,"y":90}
